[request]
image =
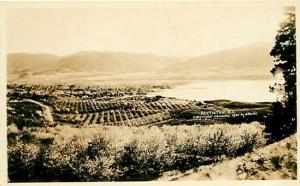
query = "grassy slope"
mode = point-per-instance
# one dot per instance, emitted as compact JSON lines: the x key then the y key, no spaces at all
{"x":275,"y":161}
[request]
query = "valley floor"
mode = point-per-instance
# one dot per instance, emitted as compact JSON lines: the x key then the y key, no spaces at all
{"x":273,"y":162}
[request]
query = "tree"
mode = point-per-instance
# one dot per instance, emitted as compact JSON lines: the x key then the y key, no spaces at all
{"x":283,"y":120}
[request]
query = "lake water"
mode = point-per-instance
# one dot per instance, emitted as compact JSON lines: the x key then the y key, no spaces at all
{"x":236,"y":90}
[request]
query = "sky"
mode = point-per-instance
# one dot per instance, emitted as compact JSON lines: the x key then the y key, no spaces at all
{"x":161,"y":29}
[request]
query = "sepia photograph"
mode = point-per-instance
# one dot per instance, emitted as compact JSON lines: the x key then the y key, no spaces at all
{"x":150,"y":91}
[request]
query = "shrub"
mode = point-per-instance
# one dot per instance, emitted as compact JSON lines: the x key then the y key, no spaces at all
{"x":27,"y":138}
{"x":276,"y":162}
{"x":144,"y":157}
{"x":21,"y":161}
{"x":23,"y":122}
{"x":11,"y":138}
{"x":292,"y":165}
{"x":62,"y":160}
{"x":130,"y":153}
{"x":248,"y":141}
{"x":216,"y":143}
{"x":98,"y":161}
{"x":47,"y":141}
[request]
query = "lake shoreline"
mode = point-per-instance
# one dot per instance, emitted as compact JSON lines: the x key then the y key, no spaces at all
{"x":237,"y":90}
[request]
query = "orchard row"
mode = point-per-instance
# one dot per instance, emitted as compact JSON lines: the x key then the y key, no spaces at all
{"x":121,"y":112}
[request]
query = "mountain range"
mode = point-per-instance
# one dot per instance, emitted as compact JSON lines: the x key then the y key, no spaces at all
{"x":247,"y":62}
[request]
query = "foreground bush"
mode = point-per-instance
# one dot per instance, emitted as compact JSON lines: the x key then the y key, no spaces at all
{"x":130,"y":153}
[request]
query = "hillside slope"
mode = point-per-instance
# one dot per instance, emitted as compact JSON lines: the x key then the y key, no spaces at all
{"x":275,"y":161}
{"x":23,"y":62}
{"x":114,"y":61}
{"x":251,"y":60}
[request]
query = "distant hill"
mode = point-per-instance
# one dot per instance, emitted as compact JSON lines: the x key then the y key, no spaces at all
{"x":114,"y":61}
{"x":86,"y":61}
{"x":23,"y":62}
{"x":247,"y":62}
